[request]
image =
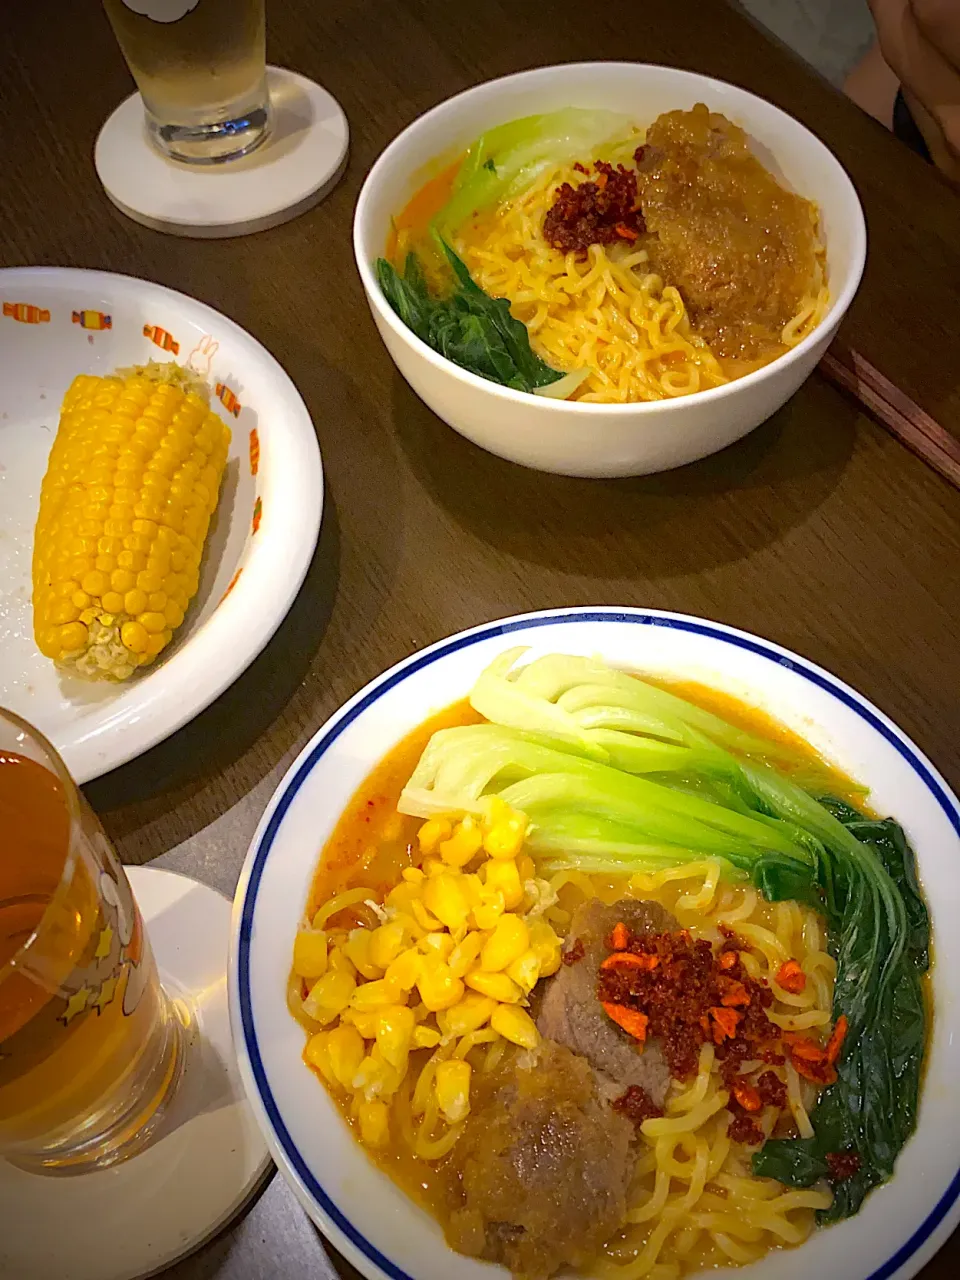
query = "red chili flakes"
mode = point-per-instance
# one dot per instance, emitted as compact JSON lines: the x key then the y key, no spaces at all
{"x":772,"y":1090}
{"x":668,"y":987}
{"x":619,"y":937}
{"x":747,"y":1096}
{"x":575,"y":953}
{"x":791,"y":977}
{"x":603,"y":211}
{"x":842,"y":1164}
{"x":733,"y":994}
{"x":742,"y":1129}
{"x":637,"y":1105}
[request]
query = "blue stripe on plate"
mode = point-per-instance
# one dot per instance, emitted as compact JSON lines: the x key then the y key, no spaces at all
{"x":387,"y":682}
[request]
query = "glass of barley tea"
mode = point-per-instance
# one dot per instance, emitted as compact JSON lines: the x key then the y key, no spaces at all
{"x":200,"y":66}
{"x":91,"y":1047}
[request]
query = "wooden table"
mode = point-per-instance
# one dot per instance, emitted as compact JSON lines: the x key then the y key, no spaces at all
{"x":819,"y":530}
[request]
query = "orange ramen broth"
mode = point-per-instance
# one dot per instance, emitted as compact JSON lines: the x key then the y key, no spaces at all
{"x":372,"y":844}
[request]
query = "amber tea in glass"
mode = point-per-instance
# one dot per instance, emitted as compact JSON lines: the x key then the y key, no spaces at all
{"x":200,"y":66}
{"x":91,"y":1047}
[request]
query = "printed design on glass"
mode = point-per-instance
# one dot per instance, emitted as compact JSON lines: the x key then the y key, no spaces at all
{"x":165,"y":341}
{"x":91,"y":320}
{"x":162,"y":10}
{"x":257,"y":515}
{"x":201,"y":357}
{"x":228,"y":399}
{"x":26,"y":313}
{"x":254,"y":452}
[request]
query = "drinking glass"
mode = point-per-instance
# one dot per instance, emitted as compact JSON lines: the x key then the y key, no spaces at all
{"x":200,"y":66}
{"x":91,"y":1047}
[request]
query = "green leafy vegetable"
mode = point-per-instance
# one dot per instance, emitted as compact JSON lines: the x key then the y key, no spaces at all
{"x":619,"y":776}
{"x":872,"y":1107}
{"x":505,"y":160}
{"x":469,"y":327}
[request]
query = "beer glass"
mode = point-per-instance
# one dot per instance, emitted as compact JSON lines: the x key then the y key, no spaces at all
{"x":91,"y":1047}
{"x":200,"y":66}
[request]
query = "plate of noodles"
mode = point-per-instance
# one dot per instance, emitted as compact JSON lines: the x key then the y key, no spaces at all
{"x":604,"y":248}
{"x":601,"y":942}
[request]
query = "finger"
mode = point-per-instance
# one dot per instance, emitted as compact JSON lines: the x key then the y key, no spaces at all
{"x":939,"y":23}
{"x":923,"y":71}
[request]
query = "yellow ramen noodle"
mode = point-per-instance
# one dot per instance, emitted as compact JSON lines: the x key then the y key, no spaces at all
{"x":694,"y":1202}
{"x":607,"y":312}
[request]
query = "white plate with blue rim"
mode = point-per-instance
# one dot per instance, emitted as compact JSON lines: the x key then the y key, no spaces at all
{"x":369,"y":1219}
{"x":56,"y":323}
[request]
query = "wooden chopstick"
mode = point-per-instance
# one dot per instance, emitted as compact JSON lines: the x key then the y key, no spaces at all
{"x":847,"y":369}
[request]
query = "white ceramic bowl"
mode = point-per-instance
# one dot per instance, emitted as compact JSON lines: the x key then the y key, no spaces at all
{"x":261,"y":539}
{"x":591,"y":439}
{"x":360,"y":1209}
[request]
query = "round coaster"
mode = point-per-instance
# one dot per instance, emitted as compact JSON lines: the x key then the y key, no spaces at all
{"x":300,"y":161}
{"x":140,"y":1216}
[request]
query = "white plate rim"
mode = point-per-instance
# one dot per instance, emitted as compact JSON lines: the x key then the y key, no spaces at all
{"x":903,"y":1263}
{"x":236,"y":627}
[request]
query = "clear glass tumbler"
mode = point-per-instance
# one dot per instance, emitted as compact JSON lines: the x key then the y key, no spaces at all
{"x":200,"y":66}
{"x":91,"y":1047}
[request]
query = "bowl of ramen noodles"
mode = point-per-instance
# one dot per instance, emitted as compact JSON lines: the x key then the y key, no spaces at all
{"x":607,"y":268}
{"x":609,"y":943}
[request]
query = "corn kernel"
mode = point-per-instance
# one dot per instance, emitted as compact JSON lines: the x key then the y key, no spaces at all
{"x":374,"y":1119}
{"x":464,"y":844}
{"x":525,"y":970}
{"x":505,"y":838}
{"x":357,"y":948}
{"x":402,"y":896}
{"x":526,"y":868}
{"x":316,"y":1055}
{"x":310,"y":953}
{"x":395,"y":1035}
{"x":433,"y":867}
{"x":490,"y":909}
{"x":425,"y":1038}
{"x":509,"y":940}
{"x":375,"y":1078}
{"x":432,"y":832}
{"x":340,"y":962}
{"x":440,"y":944}
{"x":372,"y":995}
{"x":72,"y":637}
{"x":423,"y":917}
{"x":386,"y":943}
{"x":465,"y":954}
{"x":329,"y":996}
{"x":444,"y":896}
{"x":413,"y":875}
{"x":405,"y":970}
{"x":438,"y":988}
{"x":134,"y":637}
{"x":547,"y":946}
{"x":346,"y":1050}
{"x":502,"y":874}
{"x":469,"y":1014}
{"x":365,"y":1020}
{"x":516,"y":1025}
{"x":453,"y":1089}
{"x":496,"y":985}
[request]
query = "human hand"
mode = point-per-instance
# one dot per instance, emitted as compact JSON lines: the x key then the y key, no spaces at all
{"x":920,"y":40}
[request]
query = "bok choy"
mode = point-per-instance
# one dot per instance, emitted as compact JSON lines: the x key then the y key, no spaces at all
{"x":504,"y":161}
{"x":617,"y":776}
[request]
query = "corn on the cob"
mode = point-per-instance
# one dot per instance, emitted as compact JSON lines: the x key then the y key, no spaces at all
{"x":131,"y":484}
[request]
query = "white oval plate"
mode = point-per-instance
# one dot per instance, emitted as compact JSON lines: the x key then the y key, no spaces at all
{"x":53,"y":325}
{"x":366,"y":1216}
